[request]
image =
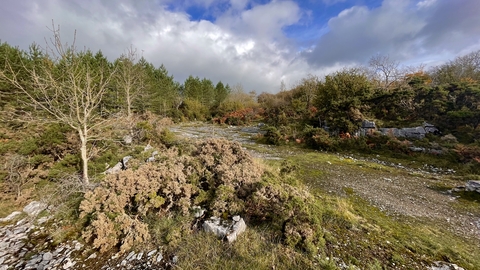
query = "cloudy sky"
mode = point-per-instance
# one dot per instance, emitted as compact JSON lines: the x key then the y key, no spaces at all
{"x":257,"y":43}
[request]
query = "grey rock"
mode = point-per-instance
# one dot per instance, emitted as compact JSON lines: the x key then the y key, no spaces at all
{"x":11,"y":216}
{"x":47,"y":256}
{"x":159,"y":257}
{"x":368,"y":124}
{"x":125,"y":161}
{"x":225,"y":229}
{"x":92,"y":256}
{"x":139,"y":256}
{"x":42,"y":220}
{"x":19,"y":230}
{"x":149,"y":254}
{"x":445,"y":266}
{"x":115,"y":169}
{"x":68,"y":264}
{"x":21,"y":236}
{"x":35,"y":259}
{"x":473,"y":185}
{"x":78,"y":246}
{"x":59,"y":249}
{"x":34,"y":208}
{"x":16,"y":247}
{"x":4,"y":245}
{"x":175,"y":259}
{"x":130,"y":255}
{"x":41,"y":266}
{"x":238,"y":228}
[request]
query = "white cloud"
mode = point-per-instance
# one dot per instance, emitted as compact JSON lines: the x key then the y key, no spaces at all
{"x":262,"y":21}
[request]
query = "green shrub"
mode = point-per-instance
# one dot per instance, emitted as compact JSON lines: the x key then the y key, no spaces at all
{"x":293,"y":212}
{"x":273,"y":136}
{"x":70,"y":164}
{"x":318,"y":138}
{"x":167,"y":137}
{"x":28,"y":146}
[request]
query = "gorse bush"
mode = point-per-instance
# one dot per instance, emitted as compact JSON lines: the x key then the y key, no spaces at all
{"x":218,"y":175}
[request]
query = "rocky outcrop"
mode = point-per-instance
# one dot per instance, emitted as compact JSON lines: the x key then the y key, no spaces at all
{"x":445,"y":266}
{"x":369,"y":127}
{"x":225,"y":229}
{"x":472,"y":185}
{"x":25,"y":245}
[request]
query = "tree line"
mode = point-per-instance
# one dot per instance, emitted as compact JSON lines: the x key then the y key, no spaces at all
{"x":447,"y":96}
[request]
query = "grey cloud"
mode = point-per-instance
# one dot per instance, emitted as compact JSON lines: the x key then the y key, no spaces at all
{"x":401,"y":29}
{"x":358,"y":33}
{"x":451,"y":25}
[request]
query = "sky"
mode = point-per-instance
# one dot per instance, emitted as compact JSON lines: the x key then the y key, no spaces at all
{"x":255,"y":43}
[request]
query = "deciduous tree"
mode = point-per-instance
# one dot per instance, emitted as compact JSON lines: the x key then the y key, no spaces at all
{"x":68,"y":85}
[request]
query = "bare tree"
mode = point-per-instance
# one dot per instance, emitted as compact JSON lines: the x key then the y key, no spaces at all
{"x":130,"y":77}
{"x":385,"y":70}
{"x":67,"y":86}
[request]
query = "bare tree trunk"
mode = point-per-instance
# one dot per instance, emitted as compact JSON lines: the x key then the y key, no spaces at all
{"x":84,"y":154}
{"x":129,"y":105}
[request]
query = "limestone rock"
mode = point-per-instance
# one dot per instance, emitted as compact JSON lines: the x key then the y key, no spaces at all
{"x":47,"y":256}
{"x":34,"y":208}
{"x":10,"y":217}
{"x":115,"y":169}
{"x":445,"y":266}
{"x":473,"y":185}
{"x":228,"y":229}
